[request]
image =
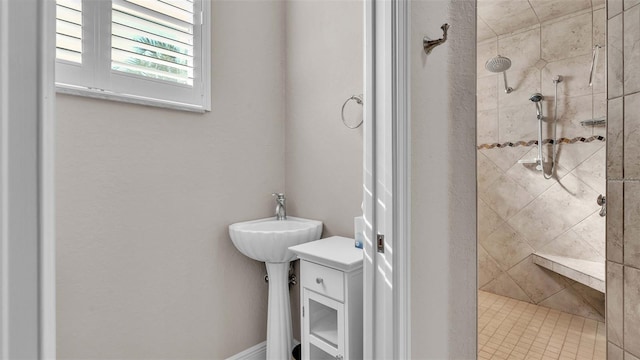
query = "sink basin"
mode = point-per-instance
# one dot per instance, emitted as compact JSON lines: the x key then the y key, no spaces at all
{"x":269,"y":239}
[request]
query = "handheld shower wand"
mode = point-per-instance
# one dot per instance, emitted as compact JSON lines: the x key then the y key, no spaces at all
{"x":537,"y":99}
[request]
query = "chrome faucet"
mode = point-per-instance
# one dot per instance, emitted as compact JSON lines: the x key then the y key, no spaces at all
{"x":281,"y":207}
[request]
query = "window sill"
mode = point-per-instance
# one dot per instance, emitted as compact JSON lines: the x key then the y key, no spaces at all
{"x":127,"y":98}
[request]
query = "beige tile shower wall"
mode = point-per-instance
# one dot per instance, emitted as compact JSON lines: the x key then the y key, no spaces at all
{"x":145,"y":266}
{"x":623,"y":181}
{"x":519,"y":212}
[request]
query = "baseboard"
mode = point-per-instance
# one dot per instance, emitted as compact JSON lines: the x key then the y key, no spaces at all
{"x":256,"y":352}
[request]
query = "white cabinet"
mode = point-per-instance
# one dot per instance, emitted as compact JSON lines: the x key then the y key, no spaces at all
{"x":331,"y":294}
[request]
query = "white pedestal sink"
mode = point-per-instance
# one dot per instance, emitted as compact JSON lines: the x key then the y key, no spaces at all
{"x":268,"y":240}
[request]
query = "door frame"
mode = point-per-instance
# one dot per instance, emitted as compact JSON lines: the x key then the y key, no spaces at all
{"x":387,"y":174}
{"x":47,"y":46}
{"x":27,"y":235}
{"x":402,"y":179}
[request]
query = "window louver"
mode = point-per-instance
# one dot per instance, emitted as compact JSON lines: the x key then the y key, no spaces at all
{"x":69,"y":30}
{"x":153,"y":39}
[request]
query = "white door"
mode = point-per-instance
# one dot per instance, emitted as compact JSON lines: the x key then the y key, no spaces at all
{"x":380,"y":185}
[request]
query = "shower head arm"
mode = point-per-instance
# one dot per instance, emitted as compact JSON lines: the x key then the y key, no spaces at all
{"x":508,"y":89}
{"x":500,"y":64}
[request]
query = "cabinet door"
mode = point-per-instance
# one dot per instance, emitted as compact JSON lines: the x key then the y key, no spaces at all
{"x":323,"y":335}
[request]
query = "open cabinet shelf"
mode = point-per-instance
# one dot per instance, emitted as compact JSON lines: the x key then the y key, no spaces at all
{"x":323,"y":323}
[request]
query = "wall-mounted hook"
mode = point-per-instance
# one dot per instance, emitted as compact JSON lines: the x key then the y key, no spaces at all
{"x":430,"y":44}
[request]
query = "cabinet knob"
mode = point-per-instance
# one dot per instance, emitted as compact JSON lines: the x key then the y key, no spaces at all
{"x":319,"y":280}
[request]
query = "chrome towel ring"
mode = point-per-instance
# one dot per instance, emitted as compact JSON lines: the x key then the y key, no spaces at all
{"x":358,"y":100}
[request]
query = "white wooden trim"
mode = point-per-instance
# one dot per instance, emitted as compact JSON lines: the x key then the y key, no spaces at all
{"x":22,"y":108}
{"x":256,"y":352}
{"x":4,"y":189}
{"x":126,"y":98}
{"x":387,"y":176}
{"x":402,"y":185}
{"x":369,"y":176}
{"x":95,"y":78}
{"x":205,"y":37}
{"x":27,"y":261}
{"x":47,"y":21}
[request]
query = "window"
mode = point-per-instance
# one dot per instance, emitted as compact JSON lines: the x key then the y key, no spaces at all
{"x":145,"y":51}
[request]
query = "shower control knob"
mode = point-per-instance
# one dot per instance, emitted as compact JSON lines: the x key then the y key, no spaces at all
{"x":602,"y":201}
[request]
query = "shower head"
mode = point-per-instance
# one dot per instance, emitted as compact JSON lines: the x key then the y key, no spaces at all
{"x":500,"y":64}
{"x":537,"y":97}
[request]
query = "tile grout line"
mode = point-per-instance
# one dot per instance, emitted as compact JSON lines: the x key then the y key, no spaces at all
{"x":527,"y":327}
{"x":523,"y":334}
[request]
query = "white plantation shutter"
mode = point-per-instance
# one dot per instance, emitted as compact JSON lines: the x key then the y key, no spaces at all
{"x":69,"y":30}
{"x":153,"y":39}
{"x":142,"y":50}
{"x":75,"y":54}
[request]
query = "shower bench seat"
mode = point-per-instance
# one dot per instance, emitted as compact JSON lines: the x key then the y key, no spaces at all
{"x":589,"y":273}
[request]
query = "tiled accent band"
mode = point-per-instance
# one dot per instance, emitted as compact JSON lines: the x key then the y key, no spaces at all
{"x":544,"y":142}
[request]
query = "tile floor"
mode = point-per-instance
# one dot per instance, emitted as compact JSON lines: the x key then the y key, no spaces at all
{"x":513,"y":329}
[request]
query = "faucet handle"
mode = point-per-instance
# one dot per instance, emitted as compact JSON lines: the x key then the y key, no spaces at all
{"x":278,"y":195}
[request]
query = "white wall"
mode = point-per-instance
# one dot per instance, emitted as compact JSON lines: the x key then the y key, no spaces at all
{"x":323,"y":157}
{"x":443,"y":285}
{"x":146,"y":268}
{"x":324,"y":68}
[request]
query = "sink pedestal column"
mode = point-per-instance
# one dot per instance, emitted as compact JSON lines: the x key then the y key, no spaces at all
{"x":279,"y":332}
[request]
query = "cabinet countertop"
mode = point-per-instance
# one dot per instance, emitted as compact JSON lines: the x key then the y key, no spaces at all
{"x":335,"y":252}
